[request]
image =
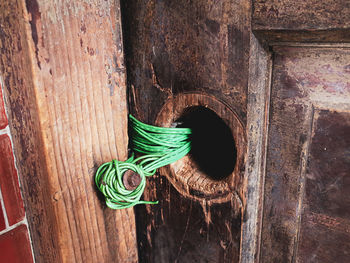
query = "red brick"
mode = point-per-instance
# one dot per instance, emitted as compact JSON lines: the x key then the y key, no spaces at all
{"x":3,"y":117}
{"x":2,"y":219}
{"x":9,"y":182}
{"x":15,"y":246}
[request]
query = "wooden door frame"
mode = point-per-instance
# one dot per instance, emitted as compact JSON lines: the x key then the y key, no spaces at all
{"x":276,"y":23}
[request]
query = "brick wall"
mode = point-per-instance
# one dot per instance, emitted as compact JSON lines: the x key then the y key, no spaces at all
{"x":15,"y":243}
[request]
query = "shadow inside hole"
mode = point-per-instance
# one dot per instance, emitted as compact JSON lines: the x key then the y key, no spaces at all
{"x":213,"y":146}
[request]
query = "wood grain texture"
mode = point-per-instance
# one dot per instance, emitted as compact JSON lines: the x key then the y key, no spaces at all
{"x":175,"y":47}
{"x":62,"y":64}
{"x":183,"y":46}
{"x":294,"y":15}
{"x":302,"y":21}
{"x":198,"y":218}
{"x":260,"y":67}
{"x":64,"y":80}
{"x":325,"y":225}
{"x":309,"y":87}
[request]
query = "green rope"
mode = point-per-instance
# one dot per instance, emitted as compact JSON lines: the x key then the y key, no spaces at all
{"x":160,"y":146}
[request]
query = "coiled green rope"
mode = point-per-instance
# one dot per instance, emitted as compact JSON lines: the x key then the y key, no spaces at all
{"x":160,"y":146}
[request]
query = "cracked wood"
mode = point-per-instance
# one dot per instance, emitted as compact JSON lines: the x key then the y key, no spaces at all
{"x":64,"y":77}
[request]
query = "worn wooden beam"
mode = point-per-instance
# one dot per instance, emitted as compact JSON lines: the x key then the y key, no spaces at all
{"x":260,"y":66}
{"x":64,"y":77}
{"x":302,"y":21}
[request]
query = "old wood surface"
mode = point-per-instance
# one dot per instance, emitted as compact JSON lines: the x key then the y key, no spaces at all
{"x":282,"y":89}
{"x":301,"y":15}
{"x":260,"y":64}
{"x":174,"y":47}
{"x":197,"y":176}
{"x":305,"y":216}
{"x":325,"y":224}
{"x":62,"y":67}
{"x":185,"y":47}
{"x":315,"y":21}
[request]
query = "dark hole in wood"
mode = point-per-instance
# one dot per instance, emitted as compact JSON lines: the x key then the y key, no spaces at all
{"x":213,"y":146}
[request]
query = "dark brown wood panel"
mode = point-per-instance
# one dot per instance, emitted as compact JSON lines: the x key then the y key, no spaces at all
{"x":328,"y":176}
{"x":184,"y":230}
{"x":288,"y":131}
{"x":180,"y":46}
{"x":296,"y":15}
{"x":174,"y":47}
{"x":324,"y":239}
{"x":310,"y":21}
{"x":308,"y":84}
{"x":325,"y":225}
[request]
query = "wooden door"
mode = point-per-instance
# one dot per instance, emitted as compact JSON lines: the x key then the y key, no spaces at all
{"x":265,"y":85}
{"x":286,"y":81}
{"x":305,"y":204}
{"x":188,"y":61}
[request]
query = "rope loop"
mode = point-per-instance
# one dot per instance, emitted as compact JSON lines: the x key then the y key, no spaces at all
{"x":160,"y":146}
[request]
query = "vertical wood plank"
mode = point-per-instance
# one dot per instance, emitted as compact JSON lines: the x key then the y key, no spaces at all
{"x":62,"y":63}
{"x":287,"y":136}
{"x":175,"y":48}
{"x":260,"y":64}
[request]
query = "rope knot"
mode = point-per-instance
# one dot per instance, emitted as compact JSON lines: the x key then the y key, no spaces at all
{"x":160,"y":146}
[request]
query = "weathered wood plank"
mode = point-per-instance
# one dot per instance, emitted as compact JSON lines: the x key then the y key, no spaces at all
{"x":325,"y":225}
{"x":300,"y":15}
{"x":302,"y":21}
{"x":260,"y":66}
{"x":62,"y":64}
{"x":287,"y":135}
{"x":175,"y":47}
{"x":307,"y":83}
